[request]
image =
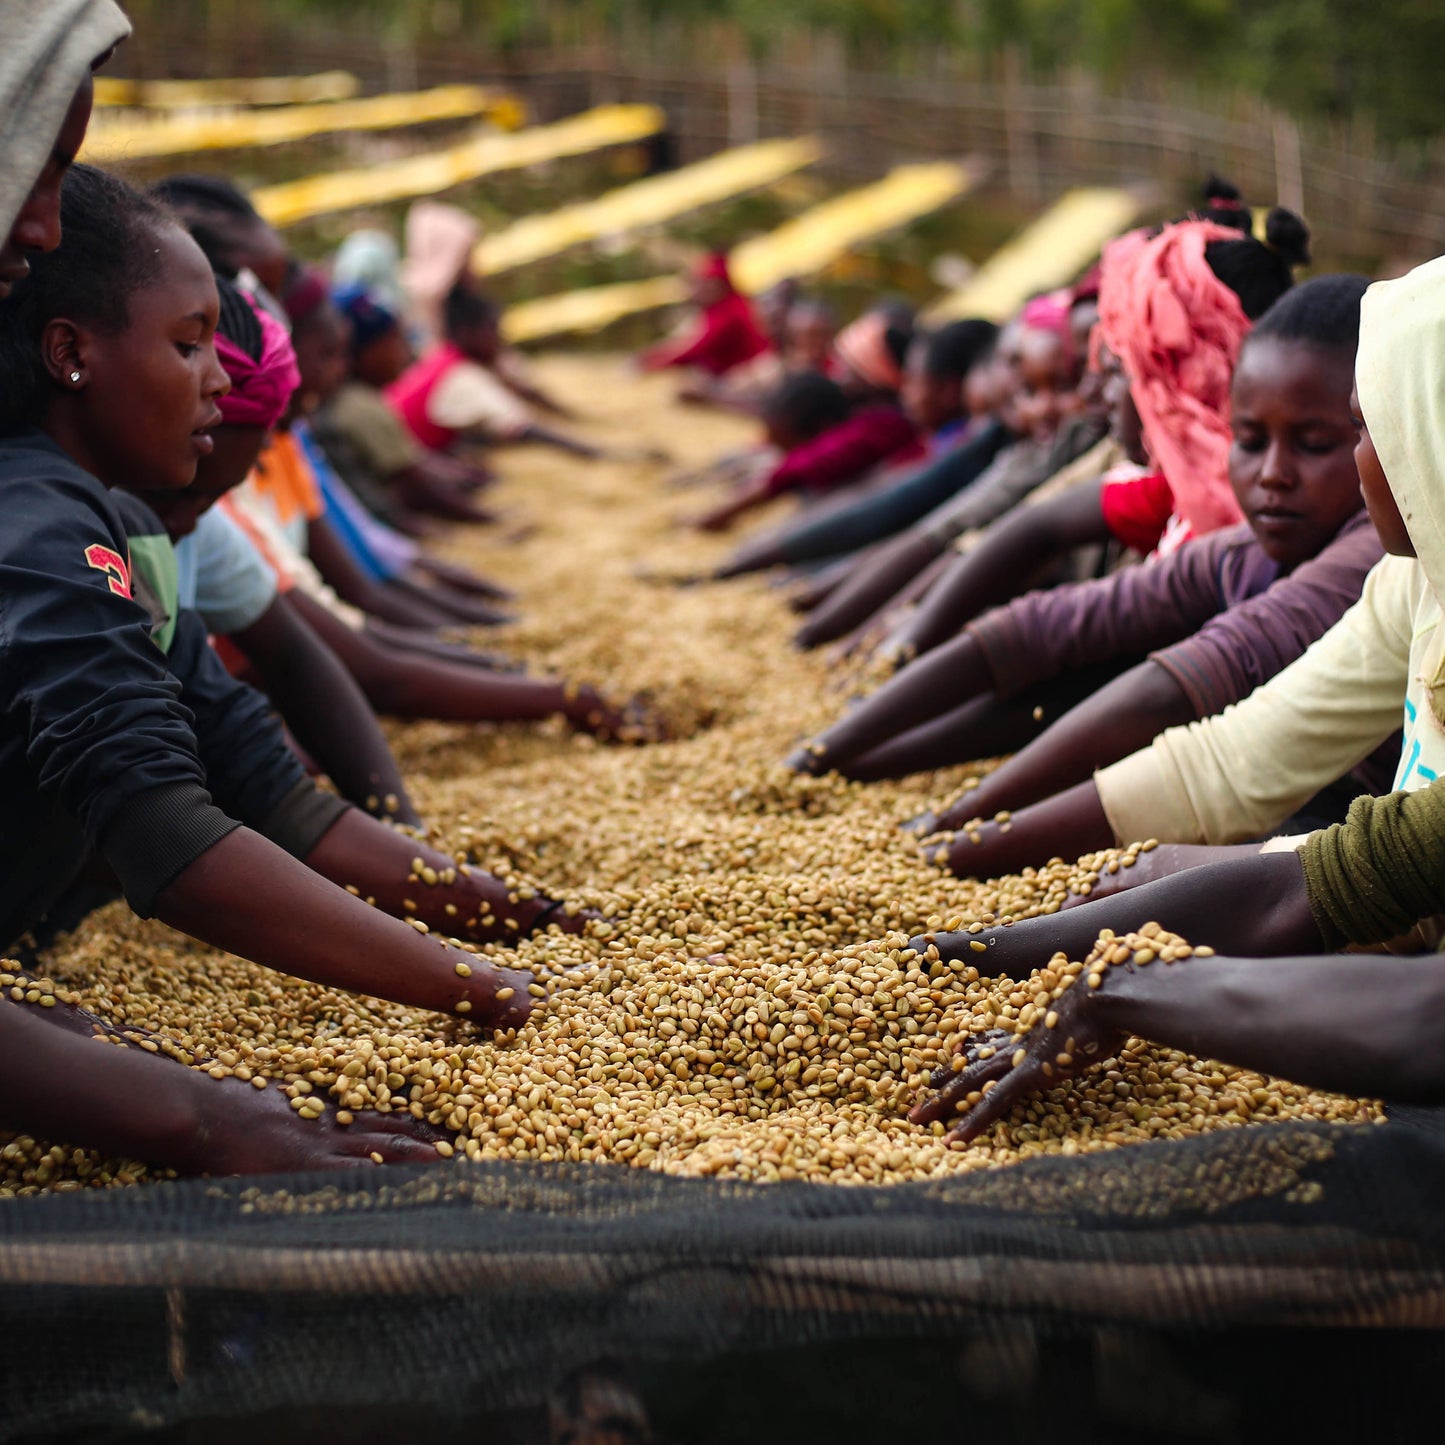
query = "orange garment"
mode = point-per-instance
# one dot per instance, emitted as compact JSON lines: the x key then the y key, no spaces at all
{"x":283,"y":477}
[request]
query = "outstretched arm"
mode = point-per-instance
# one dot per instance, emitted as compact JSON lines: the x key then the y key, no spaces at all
{"x":1065,"y":826}
{"x":1123,"y":716}
{"x":876,"y":582}
{"x":922,"y":690}
{"x":1003,"y":563}
{"x":1257,"y":905}
{"x":1366,"y":1026}
{"x":58,"y":1081}
{"x":325,"y":708}
{"x":248,"y":896}
{"x":339,"y":568}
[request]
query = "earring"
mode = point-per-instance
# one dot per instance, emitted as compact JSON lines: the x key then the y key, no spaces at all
{"x":75,"y":376}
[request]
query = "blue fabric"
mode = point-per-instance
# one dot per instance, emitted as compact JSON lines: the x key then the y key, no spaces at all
{"x":341,"y":505}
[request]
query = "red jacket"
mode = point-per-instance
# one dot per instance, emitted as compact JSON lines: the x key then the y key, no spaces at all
{"x":729,"y":336}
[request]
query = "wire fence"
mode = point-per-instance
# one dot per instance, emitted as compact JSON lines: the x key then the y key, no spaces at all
{"x":1037,"y":139}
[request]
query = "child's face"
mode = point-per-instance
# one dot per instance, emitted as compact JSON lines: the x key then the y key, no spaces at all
{"x":1380,"y":501}
{"x":1124,"y":424}
{"x":482,"y":341}
{"x":930,"y":401}
{"x":37,"y":225}
{"x":1048,"y":383}
{"x":810,"y":339}
{"x":147,"y":401}
{"x":228,"y":465}
{"x":380,"y":363}
{"x":1292,"y":460}
{"x":321,"y":343}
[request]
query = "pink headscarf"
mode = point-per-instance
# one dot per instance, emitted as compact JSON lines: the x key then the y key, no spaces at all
{"x":439,"y":242}
{"x":260,"y":390}
{"x":863,"y":348}
{"x":1050,"y":312}
{"x":1177,"y":329}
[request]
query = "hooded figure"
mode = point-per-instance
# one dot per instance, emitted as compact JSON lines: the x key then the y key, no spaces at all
{"x":50,"y":46}
{"x":1244,"y":772}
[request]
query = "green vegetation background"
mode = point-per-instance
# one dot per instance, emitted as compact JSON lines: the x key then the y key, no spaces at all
{"x":1318,"y":59}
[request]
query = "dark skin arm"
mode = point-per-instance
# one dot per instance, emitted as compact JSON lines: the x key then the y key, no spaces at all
{"x":1065,"y":826}
{"x":248,"y":896}
{"x":57,"y":1081}
{"x":414,"y":685}
{"x":1255,"y":905}
{"x":999,"y":568}
{"x":924,"y":689}
{"x":381,"y":864}
{"x":324,"y":707}
{"x":1371,"y":1026}
{"x":1121,"y":717}
{"x":753,"y":493}
{"x":874,"y":584}
{"x":339,"y":568}
{"x":456,"y":607}
{"x":550,"y":437}
{"x":426,"y":488}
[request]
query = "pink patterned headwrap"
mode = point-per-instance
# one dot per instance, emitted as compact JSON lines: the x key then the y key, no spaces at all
{"x":260,"y":390}
{"x":1177,"y":329}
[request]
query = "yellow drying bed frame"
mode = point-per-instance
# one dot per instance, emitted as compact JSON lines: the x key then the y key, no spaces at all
{"x":1049,"y":252}
{"x":644,"y":203}
{"x":145,"y":137}
{"x":242,"y":90}
{"x":800,"y":247}
{"x":437,"y":171}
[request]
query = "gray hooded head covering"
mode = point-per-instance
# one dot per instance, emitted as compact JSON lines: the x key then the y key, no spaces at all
{"x":49,"y":47}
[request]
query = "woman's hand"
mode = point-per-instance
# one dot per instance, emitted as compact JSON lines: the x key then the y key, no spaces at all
{"x":244,"y":1130}
{"x":994,"y":1070}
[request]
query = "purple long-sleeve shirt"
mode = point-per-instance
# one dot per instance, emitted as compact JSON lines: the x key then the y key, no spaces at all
{"x":1216,"y":615}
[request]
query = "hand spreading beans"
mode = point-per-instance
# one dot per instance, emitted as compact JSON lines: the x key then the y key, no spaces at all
{"x":751,"y":1008}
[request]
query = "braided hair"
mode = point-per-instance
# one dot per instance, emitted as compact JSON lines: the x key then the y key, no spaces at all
{"x":107,"y":253}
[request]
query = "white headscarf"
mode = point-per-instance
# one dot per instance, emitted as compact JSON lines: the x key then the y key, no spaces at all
{"x":48,"y":50}
{"x":1400,"y":378}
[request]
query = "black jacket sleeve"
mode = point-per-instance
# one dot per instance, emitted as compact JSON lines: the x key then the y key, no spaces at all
{"x":92,"y":721}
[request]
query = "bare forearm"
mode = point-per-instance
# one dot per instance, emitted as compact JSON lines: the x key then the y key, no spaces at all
{"x":922,"y":690}
{"x":1372,"y":1026}
{"x":62,"y":1084}
{"x":326,"y":709}
{"x":1065,"y":826}
{"x":874,"y":584}
{"x":247,"y":896}
{"x":1123,"y":716}
{"x":1255,"y":906}
{"x":449,"y":897}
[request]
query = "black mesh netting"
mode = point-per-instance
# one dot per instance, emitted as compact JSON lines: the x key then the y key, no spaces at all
{"x":484,"y":1286}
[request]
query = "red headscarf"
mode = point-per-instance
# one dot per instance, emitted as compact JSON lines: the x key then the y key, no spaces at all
{"x":1177,"y":329}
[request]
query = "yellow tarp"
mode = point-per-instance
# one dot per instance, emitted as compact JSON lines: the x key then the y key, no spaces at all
{"x":424,"y":175}
{"x":263,"y":90}
{"x":645,"y":203}
{"x":591,"y":308}
{"x":1049,"y":252}
{"x":801,"y":247}
{"x":140,"y":138}
{"x":811,"y":242}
